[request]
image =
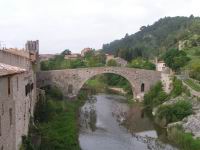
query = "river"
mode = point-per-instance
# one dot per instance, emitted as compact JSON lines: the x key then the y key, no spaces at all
{"x":108,"y":123}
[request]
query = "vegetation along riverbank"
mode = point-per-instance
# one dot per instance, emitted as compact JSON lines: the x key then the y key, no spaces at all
{"x":171,"y":110}
{"x":56,"y":123}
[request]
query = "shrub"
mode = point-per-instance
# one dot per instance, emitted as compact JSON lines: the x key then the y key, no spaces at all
{"x":184,"y":141}
{"x":41,"y":114}
{"x":60,"y":131}
{"x":175,"y":59}
{"x":26,"y":143}
{"x":111,"y":62}
{"x":54,"y":92}
{"x":195,"y":71}
{"x":142,"y":64}
{"x":177,"y":87}
{"x":174,"y":112}
{"x":155,"y":96}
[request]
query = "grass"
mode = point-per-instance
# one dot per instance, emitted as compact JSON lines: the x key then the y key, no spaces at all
{"x":193,"y":85}
{"x":61,"y":130}
{"x":184,"y":141}
{"x":96,"y":84}
{"x":58,"y":126}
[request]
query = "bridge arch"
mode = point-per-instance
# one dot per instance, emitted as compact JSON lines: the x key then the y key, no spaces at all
{"x":70,"y":81}
{"x":94,"y":75}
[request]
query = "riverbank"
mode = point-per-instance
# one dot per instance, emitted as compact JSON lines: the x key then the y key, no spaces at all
{"x":117,"y":90}
{"x":175,"y":111}
{"x":56,"y":124}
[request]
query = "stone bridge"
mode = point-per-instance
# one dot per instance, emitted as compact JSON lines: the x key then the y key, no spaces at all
{"x":70,"y":81}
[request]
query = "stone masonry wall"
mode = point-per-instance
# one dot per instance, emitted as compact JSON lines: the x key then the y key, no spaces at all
{"x":75,"y":78}
{"x":22,"y":105}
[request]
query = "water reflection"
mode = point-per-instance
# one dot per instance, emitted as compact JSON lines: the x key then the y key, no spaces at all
{"x":107,"y":123}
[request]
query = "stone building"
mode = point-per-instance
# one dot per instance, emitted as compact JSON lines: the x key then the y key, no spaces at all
{"x":166,"y":74}
{"x":121,"y":62}
{"x":45,"y":57}
{"x":109,"y":57}
{"x":72,"y":56}
{"x":160,"y":66}
{"x":17,"y":95}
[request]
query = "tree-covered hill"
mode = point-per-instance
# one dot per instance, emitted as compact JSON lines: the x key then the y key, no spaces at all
{"x":154,"y":40}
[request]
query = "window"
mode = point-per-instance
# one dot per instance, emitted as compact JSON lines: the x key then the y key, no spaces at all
{"x":8,"y":85}
{"x":70,"y":89}
{"x":28,"y":88}
{"x":32,"y":86}
{"x":10,"y":114}
{"x":142,"y":87}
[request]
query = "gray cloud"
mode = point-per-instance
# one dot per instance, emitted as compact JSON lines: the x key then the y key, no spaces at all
{"x":76,"y":24}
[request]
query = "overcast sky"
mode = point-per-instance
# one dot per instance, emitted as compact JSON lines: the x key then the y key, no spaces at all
{"x":75,"y":24}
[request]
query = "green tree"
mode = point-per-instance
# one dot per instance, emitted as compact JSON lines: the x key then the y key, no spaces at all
{"x":95,"y":60}
{"x":66,"y":52}
{"x":78,"y":63}
{"x":101,"y":58}
{"x":177,"y":87}
{"x":175,"y":59}
{"x":142,"y":64}
{"x":111,"y":62}
{"x":155,"y":96}
{"x":89,"y":54}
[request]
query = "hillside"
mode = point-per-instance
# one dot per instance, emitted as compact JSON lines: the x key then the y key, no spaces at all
{"x":154,"y":40}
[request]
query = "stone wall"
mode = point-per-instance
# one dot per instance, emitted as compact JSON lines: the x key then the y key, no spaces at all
{"x":7,"y":129}
{"x":16,"y":108}
{"x":75,"y":78}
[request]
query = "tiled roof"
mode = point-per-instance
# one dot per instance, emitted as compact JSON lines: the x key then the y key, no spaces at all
{"x":10,"y":70}
{"x":19,"y":52}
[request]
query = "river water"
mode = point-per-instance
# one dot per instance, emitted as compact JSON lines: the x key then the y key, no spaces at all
{"x":108,"y":123}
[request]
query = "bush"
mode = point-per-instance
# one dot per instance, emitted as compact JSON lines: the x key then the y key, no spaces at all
{"x":54,"y":92}
{"x":41,"y":113}
{"x":142,"y":63}
{"x":155,"y":96}
{"x":96,"y":84}
{"x":60,"y":131}
{"x":177,"y":88}
{"x":195,"y":71}
{"x":111,"y":62}
{"x":175,"y":59}
{"x":184,"y":141}
{"x":26,"y":143}
{"x":174,"y":112}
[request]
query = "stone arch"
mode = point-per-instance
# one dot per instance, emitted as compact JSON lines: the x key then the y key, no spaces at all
{"x":81,"y":84}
